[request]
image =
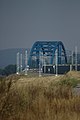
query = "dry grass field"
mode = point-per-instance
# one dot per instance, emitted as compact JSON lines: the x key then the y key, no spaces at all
{"x":39,"y":98}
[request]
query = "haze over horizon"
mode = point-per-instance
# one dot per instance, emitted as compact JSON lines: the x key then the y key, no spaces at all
{"x":22,"y":22}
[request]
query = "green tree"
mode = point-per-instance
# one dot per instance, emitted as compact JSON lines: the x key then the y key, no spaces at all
{"x":10,"y":69}
{"x":1,"y":71}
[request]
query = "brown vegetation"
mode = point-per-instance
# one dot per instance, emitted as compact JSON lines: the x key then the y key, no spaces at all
{"x":44,"y":98}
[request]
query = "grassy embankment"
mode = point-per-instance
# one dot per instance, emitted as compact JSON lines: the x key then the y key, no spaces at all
{"x":44,"y":98}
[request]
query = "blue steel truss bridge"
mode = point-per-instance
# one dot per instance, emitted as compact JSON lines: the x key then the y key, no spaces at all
{"x":45,"y":52}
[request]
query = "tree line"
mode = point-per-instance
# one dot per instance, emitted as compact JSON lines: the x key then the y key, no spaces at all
{"x":10,"y":69}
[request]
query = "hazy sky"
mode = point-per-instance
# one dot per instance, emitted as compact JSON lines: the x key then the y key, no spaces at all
{"x":22,"y":22}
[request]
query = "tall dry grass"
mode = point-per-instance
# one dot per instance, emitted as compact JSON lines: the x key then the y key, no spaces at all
{"x":45,"y":98}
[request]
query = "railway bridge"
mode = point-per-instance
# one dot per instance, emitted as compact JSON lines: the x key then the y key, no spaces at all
{"x":46,"y":50}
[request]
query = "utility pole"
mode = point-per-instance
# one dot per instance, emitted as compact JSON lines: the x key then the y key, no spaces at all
{"x":21,"y":63}
{"x":71,"y":66}
{"x":76,"y":58}
{"x":72,"y":58}
{"x":26,"y":62}
{"x":56,"y":56}
{"x":44,"y":62}
{"x":17,"y":71}
{"x":39,"y":64}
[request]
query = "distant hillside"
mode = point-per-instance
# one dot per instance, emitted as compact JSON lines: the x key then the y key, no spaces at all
{"x":8,"y":56}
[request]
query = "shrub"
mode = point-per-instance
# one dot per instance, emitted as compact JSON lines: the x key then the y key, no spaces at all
{"x":69,"y":82}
